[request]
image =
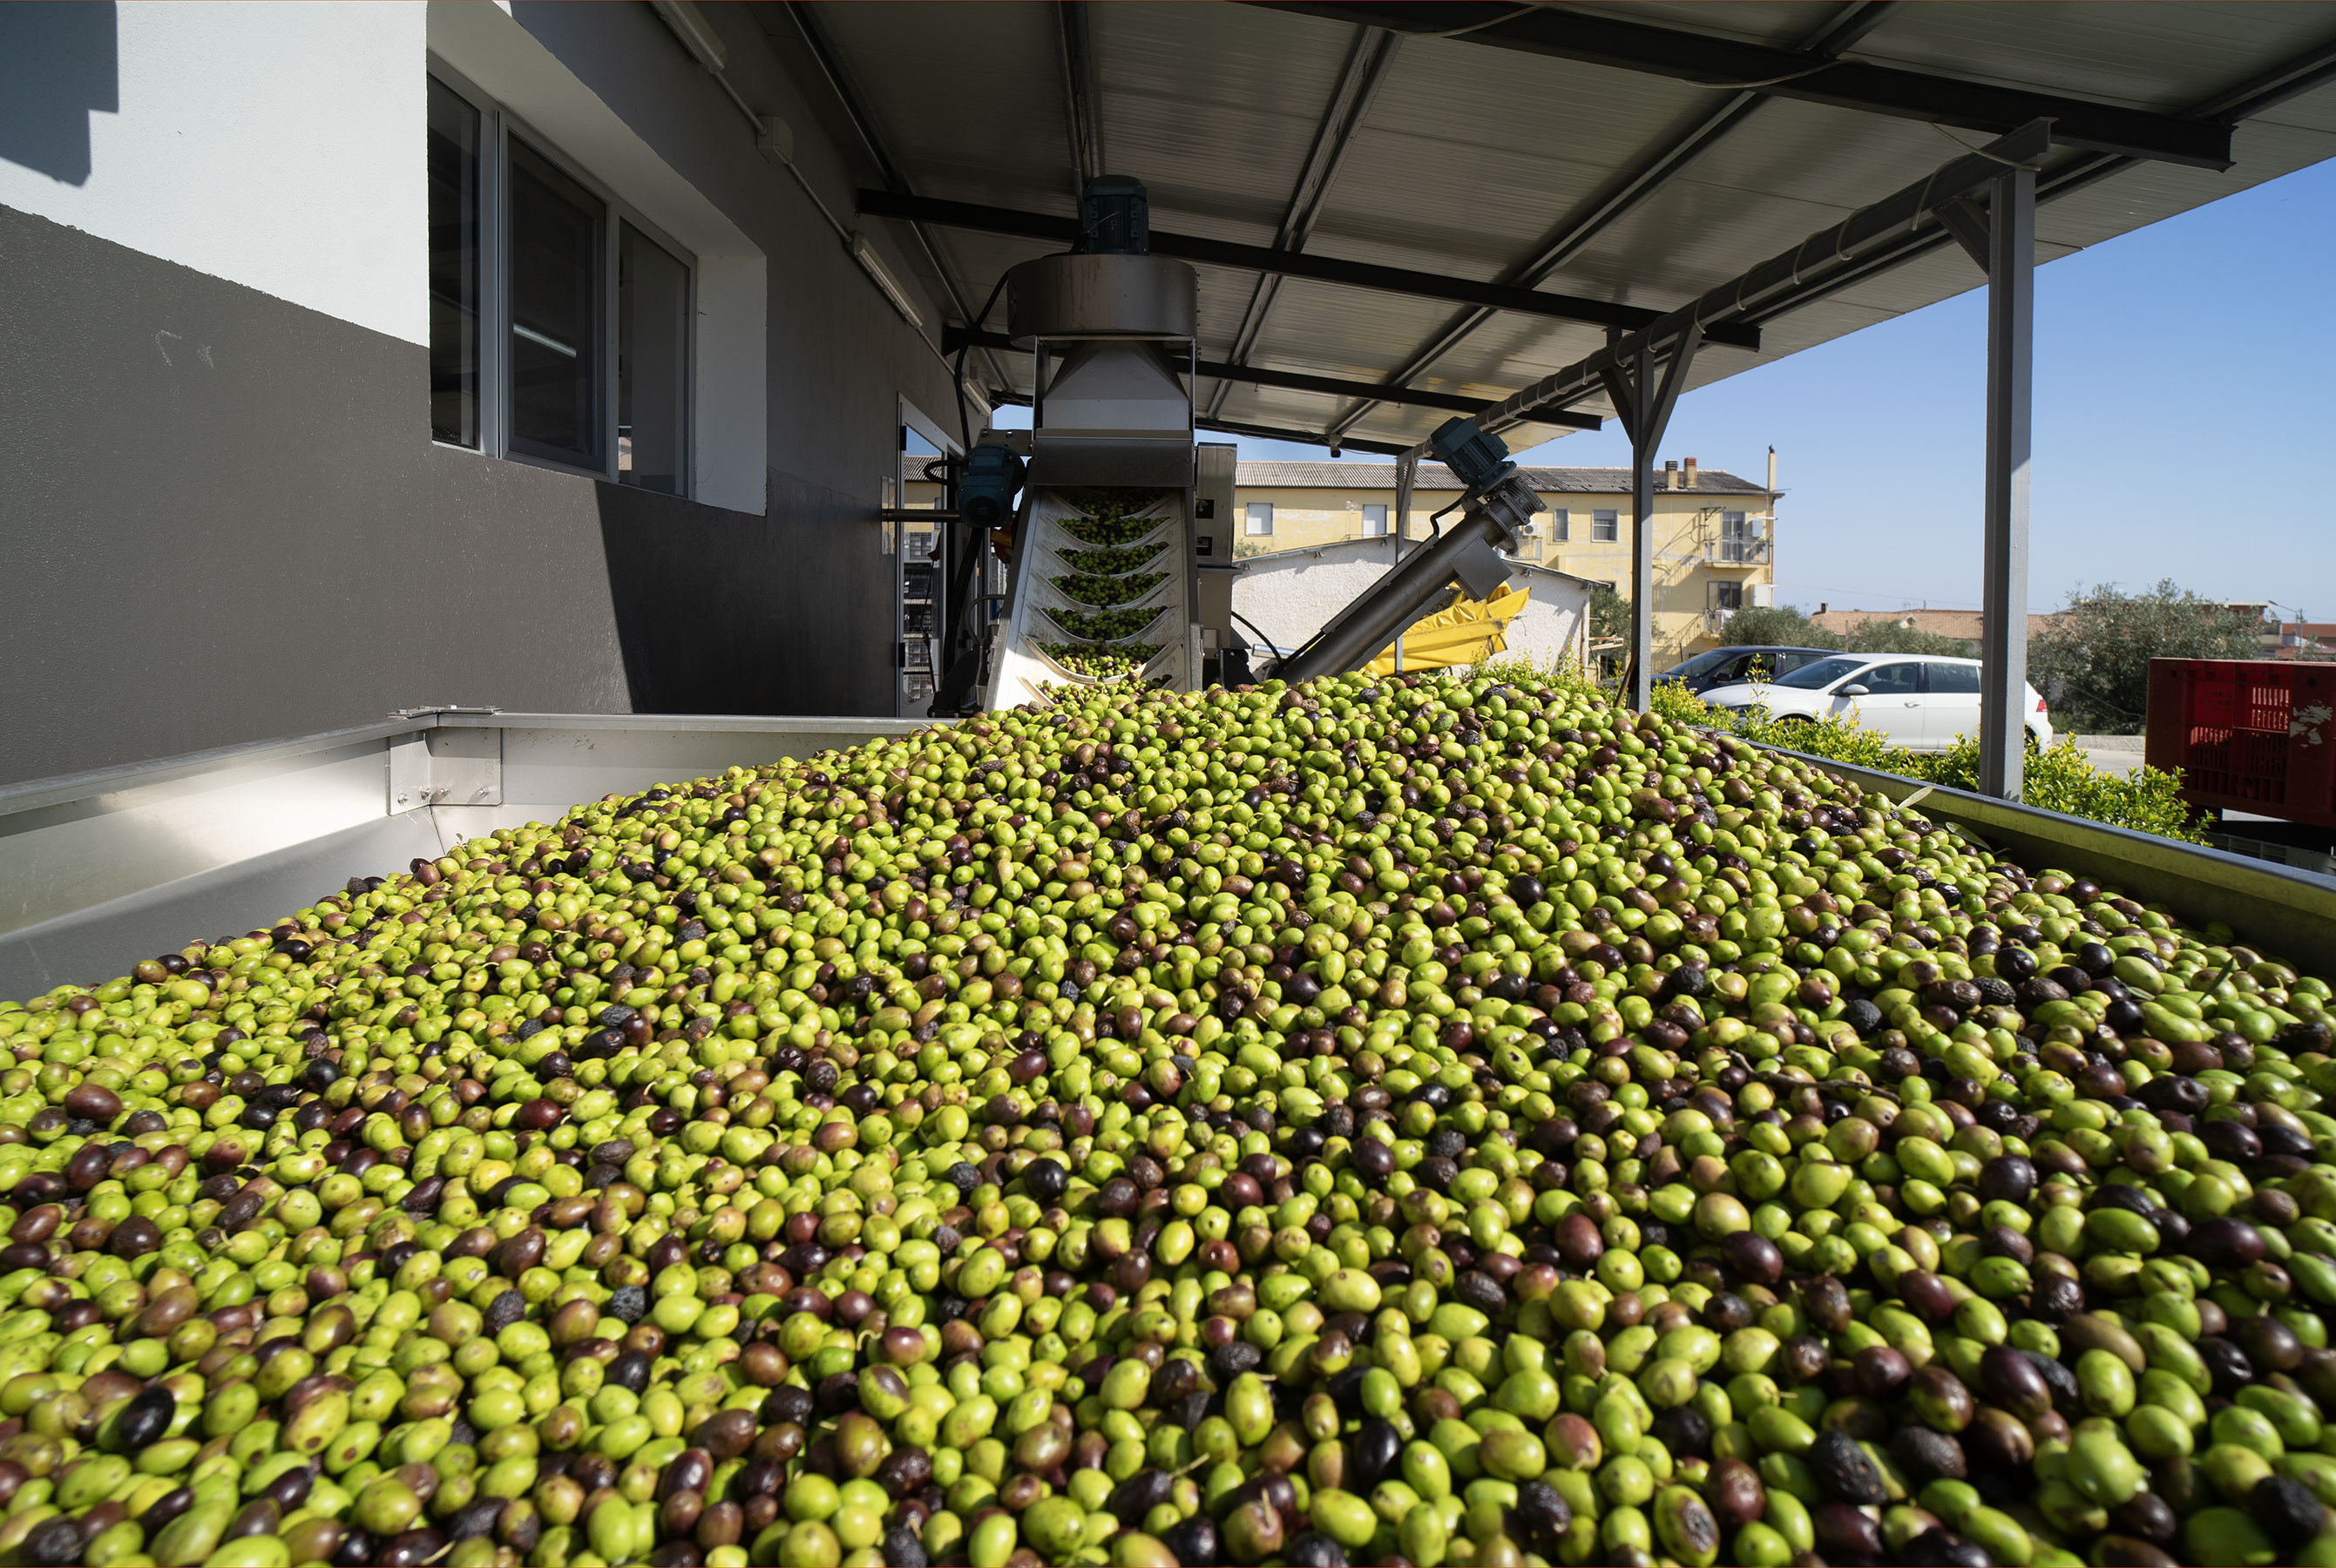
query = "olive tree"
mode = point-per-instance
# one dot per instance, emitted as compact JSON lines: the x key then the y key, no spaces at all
{"x":1776,"y":626}
{"x":2091,"y":662}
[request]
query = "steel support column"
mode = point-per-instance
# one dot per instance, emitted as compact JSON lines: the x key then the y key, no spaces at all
{"x":1649,"y":398}
{"x":1407,"y":470}
{"x":2010,"y":344}
{"x":1642,"y":553}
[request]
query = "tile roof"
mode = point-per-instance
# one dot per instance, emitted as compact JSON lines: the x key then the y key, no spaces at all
{"x":1436,"y":477}
{"x":1941,"y":623}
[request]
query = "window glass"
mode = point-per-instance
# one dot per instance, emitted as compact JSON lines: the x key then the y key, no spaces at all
{"x":1892,"y":680}
{"x":1560,"y":524}
{"x":1373,"y":522}
{"x":1791,"y":659}
{"x":1605,"y":526}
{"x":1257,"y":517}
{"x":1702,"y":663}
{"x":652,"y":370}
{"x":1954,"y":679}
{"x":1731,"y":537}
{"x":556,"y":241}
{"x":1816,"y":677}
{"x":454,"y":161}
{"x":1727,"y":595}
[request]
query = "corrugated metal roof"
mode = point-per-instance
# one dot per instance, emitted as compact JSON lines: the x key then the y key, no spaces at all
{"x":1304,"y":476}
{"x":1473,"y":159}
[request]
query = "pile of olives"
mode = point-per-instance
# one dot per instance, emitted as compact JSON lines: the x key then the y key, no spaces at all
{"x":1401,"y":1120}
{"x":1094,"y":588}
{"x":1110,"y":563}
{"x":1105,"y":626}
{"x":1112,"y":517}
{"x":1115,"y":662}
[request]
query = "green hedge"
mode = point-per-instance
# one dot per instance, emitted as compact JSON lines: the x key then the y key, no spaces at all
{"x":2058,"y":778}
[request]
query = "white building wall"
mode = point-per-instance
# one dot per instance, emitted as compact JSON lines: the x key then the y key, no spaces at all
{"x":1550,"y":627}
{"x":277,"y":146}
{"x":1289,"y":597}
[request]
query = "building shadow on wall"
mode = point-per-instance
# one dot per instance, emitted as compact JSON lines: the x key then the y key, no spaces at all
{"x":723,"y":612}
{"x":60,"y":63}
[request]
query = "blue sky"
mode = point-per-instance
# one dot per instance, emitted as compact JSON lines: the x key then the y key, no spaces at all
{"x":2186,"y":401}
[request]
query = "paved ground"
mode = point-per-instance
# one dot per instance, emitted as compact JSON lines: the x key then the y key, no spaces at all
{"x":2118,"y":754}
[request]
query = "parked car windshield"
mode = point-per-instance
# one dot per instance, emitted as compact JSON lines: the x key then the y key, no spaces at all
{"x":1697,"y":665}
{"x":1822,"y":673}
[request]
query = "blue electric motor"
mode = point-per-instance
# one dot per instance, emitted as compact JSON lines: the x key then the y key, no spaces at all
{"x":1476,"y":459}
{"x":985,"y":496}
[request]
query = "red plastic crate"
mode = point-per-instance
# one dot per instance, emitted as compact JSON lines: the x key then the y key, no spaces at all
{"x":2249,"y":735}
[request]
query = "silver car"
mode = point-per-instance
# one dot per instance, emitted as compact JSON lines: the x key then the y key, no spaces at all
{"x":1921,"y":702}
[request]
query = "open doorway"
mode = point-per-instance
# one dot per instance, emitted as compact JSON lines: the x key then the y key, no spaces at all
{"x":921,"y":554}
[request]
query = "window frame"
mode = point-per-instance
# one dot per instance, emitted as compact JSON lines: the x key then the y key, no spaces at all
{"x":1249,"y":516}
{"x":1735,"y":538}
{"x":1560,"y":524}
{"x":498,"y":126}
{"x":488,"y":199}
{"x":1608,"y":519}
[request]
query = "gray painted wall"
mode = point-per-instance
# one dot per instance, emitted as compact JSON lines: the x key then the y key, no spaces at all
{"x":220,"y":523}
{"x":222,"y":519}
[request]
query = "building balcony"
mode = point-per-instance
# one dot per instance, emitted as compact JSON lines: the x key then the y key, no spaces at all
{"x":1738,"y":552}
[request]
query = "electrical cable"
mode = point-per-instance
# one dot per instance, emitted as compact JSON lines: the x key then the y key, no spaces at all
{"x":1263,"y":641}
{"x":1436,"y":520}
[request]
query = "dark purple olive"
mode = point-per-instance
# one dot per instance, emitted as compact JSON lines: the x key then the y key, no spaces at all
{"x":2224,"y":1245}
{"x":1734,"y":1491}
{"x":1926,"y":1295}
{"x":1879,"y":1371}
{"x":2269,"y":1344}
{"x":2011,"y":1381}
{"x":1846,"y":1534}
{"x":2008,"y":1178}
{"x":1753,"y":1258}
{"x":2226,"y":1364}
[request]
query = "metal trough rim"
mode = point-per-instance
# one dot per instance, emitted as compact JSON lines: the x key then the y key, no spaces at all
{"x":2278,"y":909}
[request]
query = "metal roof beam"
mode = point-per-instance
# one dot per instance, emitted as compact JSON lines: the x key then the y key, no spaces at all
{"x":1842,"y":29}
{"x":1788,"y":278}
{"x":2314,"y":68}
{"x":1290,"y":263}
{"x":1373,"y":51}
{"x":1727,"y":63}
{"x":1294,"y":380}
{"x":1308,"y":438}
{"x":1262,"y":432}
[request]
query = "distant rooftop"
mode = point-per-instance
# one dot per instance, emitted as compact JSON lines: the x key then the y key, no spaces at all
{"x":1436,"y":477}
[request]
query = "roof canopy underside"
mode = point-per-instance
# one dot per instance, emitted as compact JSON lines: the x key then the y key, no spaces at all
{"x":1473,"y":158}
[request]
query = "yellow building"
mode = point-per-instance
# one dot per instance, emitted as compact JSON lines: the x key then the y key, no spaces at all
{"x":1715,"y":533}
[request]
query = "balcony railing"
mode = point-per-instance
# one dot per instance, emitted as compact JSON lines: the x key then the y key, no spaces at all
{"x":1738,"y":552}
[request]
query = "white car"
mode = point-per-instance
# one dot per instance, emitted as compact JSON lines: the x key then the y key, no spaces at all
{"x":1921,"y":702}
